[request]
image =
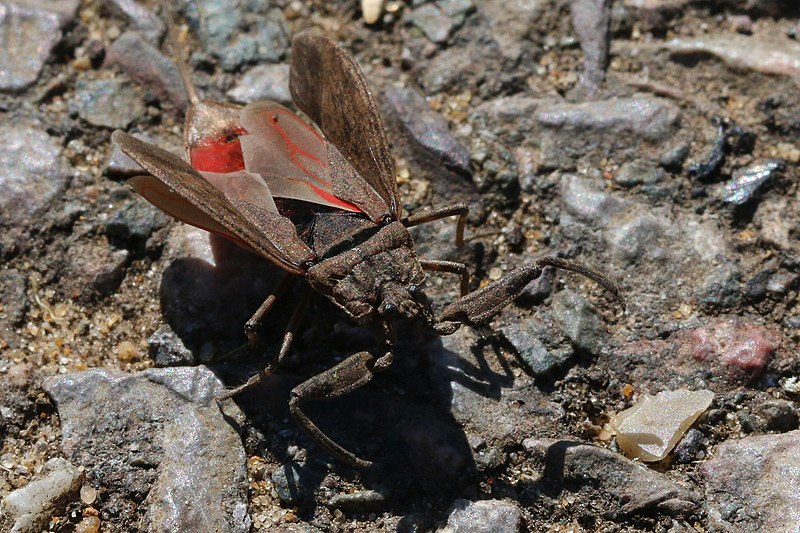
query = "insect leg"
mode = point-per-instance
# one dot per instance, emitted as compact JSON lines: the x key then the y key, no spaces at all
{"x":451,"y":267}
{"x":252,"y":326}
{"x":347,"y":376}
{"x":462,"y":210}
{"x":478,"y":307}
{"x":288,"y":336}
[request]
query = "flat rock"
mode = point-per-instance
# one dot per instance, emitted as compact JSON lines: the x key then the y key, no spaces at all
{"x":485,"y":516}
{"x":143,"y":62}
{"x":113,"y":104}
{"x":29,"y":32}
{"x":175,"y":450}
{"x":263,"y":82}
{"x":751,"y":484}
{"x":760,"y":53}
{"x":33,"y":172}
{"x":510,"y":22}
{"x":617,"y":486}
{"x":30,"y":508}
{"x":93,"y":269}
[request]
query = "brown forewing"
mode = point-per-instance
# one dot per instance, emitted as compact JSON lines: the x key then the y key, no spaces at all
{"x":328,"y":86}
{"x":268,"y":234}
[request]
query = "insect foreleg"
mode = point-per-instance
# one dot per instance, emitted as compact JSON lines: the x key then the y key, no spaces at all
{"x":460,"y":210}
{"x":478,"y":307}
{"x":253,"y":325}
{"x":347,"y":376}
{"x":451,"y":267}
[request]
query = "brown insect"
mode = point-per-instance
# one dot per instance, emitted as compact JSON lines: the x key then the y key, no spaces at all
{"x":323,"y":204}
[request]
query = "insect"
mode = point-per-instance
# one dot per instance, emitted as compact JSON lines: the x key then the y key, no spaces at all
{"x":319,"y":201}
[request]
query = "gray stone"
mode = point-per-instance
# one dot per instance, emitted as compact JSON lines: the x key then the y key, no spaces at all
{"x":621,"y":487}
{"x":134,"y":222}
{"x":638,"y":172}
{"x":641,"y":238}
{"x":29,"y":32}
{"x":427,"y":130}
{"x":295,"y":482}
{"x":751,"y":484}
{"x":721,"y":287}
{"x":30,"y":508}
{"x":149,"y":67}
{"x":777,"y":415}
{"x":269,"y":43}
{"x":147,"y":23}
{"x":578,"y":320}
{"x":263,"y":82}
{"x":485,"y":516}
{"x":674,"y":158}
{"x":539,"y":359}
{"x":12,"y":295}
{"x":481,"y":395}
{"x":689,"y":447}
{"x":652,"y":118}
{"x":157,"y":436}
{"x":588,"y":202}
{"x":510,"y":22}
{"x":33,"y":172}
{"x":591,"y":20}
{"x":436,"y":26}
{"x":216,"y":21}
{"x":93,"y":270}
{"x":113,"y":103}
{"x":167,"y":349}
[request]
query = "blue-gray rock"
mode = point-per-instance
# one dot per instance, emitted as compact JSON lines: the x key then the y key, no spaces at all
{"x":674,"y":158}
{"x":263,"y":82}
{"x":134,"y":222}
{"x":149,"y":67}
{"x":215,"y":21}
{"x":591,"y":20}
{"x":29,"y":31}
{"x":578,"y":320}
{"x":435,"y":24}
{"x":747,"y":181}
{"x":157,"y":439}
{"x":485,"y":516}
{"x":427,"y":129}
{"x":510,"y":23}
{"x":689,"y":446}
{"x":588,"y":202}
{"x":147,"y":23}
{"x":93,"y":270}
{"x":12,"y":293}
{"x":751,"y":484}
{"x":30,"y":508}
{"x":113,"y":103}
{"x":296,"y":483}
{"x":624,"y":487}
{"x":167,"y":349}
{"x":539,"y":359}
{"x":33,"y":172}
{"x":720,"y":287}
{"x":643,"y":237}
{"x":638,"y":172}
{"x":269,"y":43}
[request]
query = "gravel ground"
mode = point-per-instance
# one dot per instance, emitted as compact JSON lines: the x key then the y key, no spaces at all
{"x":654,"y":140}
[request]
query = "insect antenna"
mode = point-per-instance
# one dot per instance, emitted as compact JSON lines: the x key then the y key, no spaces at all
{"x":177,"y":55}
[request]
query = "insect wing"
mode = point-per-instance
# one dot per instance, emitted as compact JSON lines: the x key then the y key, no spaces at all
{"x":289,"y":154}
{"x":186,"y":193}
{"x":328,"y":86}
{"x":243,"y":186}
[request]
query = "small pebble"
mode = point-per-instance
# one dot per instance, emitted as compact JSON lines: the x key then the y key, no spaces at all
{"x":88,"y":494}
{"x":90,"y":524}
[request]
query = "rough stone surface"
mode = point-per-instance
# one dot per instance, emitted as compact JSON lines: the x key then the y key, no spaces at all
{"x":487,"y":516}
{"x":33,"y":172}
{"x":510,"y":22}
{"x":28,"y":34}
{"x":625,"y":486}
{"x":167,"y":349}
{"x":146,"y":22}
{"x":108,"y":103}
{"x":175,"y":447}
{"x":591,"y":20}
{"x":539,"y":359}
{"x":751,"y":484}
{"x":263,"y":82}
{"x":149,"y":67}
{"x":134,"y":222}
{"x":30,"y":508}
{"x":735,"y":347}
{"x":94,"y":270}
{"x":578,"y":320}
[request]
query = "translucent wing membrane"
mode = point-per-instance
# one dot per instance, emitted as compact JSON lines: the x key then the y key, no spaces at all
{"x":289,"y":154}
{"x":238,"y":206}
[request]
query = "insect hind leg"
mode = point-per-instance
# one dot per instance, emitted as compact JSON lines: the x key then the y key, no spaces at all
{"x":461,"y":210}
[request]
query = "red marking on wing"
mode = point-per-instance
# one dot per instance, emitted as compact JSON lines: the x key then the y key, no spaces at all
{"x":220,"y":155}
{"x":295,"y":152}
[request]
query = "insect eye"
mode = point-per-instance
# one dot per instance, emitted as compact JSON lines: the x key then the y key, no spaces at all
{"x":414,"y":290}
